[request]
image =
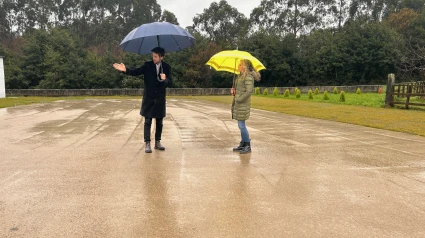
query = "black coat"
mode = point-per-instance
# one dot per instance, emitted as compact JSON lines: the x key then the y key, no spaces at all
{"x":154,"y":93}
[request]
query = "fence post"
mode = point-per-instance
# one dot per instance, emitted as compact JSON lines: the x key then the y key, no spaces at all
{"x":389,"y":95}
{"x":409,"y":91}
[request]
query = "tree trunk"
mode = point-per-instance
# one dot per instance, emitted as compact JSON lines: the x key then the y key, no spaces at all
{"x":295,"y":18}
{"x":340,"y":14}
{"x":362,"y":80}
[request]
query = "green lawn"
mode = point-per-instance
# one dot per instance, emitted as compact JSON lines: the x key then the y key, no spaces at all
{"x":363,"y":99}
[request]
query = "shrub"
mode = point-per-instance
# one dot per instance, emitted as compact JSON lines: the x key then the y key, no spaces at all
{"x":298,"y":93}
{"x":257,"y":91}
{"x":342,"y":96}
{"x":310,"y":94}
{"x":275,"y":91}
{"x":358,"y":91}
{"x":325,"y":95}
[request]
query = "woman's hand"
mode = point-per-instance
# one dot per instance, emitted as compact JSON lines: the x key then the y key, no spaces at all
{"x":120,"y":67}
{"x":233,"y":91}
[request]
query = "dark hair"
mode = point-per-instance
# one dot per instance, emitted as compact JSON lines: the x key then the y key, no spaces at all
{"x":160,"y":51}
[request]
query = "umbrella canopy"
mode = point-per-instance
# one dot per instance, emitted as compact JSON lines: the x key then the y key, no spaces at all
{"x":168,"y":36}
{"x":228,"y":61}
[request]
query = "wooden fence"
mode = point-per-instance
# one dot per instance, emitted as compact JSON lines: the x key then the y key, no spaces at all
{"x":404,"y":90}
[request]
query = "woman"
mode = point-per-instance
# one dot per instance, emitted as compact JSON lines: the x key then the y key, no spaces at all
{"x":241,"y":105}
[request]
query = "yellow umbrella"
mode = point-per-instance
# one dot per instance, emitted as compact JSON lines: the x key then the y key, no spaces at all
{"x":228,"y":61}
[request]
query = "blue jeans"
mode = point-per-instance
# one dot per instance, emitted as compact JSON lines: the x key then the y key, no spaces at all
{"x":244,"y":131}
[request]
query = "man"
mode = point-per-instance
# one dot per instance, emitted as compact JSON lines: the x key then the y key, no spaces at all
{"x":157,"y":77}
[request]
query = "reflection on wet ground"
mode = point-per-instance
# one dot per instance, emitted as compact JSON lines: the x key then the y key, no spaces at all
{"x":78,"y":168}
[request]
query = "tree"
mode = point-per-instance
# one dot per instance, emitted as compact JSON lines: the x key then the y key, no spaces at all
{"x":339,"y":11}
{"x":169,"y":17}
{"x":12,"y":70}
{"x":196,"y":73}
{"x":283,"y":17}
{"x":101,"y":74}
{"x":53,"y":60}
{"x":411,"y":25}
{"x":279,"y":56}
{"x":378,"y":10}
{"x":371,"y":52}
{"x":72,"y":44}
{"x":35,"y":51}
{"x":144,"y":11}
{"x":5,"y":29}
{"x":402,"y":21}
{"x":417,"y":5}
{"x":222,"y":23}
{"x":325,"y":58}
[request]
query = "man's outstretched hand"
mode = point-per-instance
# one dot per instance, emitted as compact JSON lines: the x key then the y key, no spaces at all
{"x":120,"y":67}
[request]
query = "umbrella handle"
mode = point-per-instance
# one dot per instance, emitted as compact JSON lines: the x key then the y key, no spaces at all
{"x":233,"y":86}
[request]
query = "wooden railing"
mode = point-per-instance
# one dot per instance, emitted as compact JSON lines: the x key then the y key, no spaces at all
{"x":404,"y":90}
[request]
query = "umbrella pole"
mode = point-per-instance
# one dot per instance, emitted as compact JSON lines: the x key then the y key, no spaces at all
{"x":234,"y":74}
{"x":162,"y":70}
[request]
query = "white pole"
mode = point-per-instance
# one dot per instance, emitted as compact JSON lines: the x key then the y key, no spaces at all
{"x":2,"y":84}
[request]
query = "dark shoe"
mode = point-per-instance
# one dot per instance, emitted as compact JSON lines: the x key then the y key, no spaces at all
{"x":148,"y":148}
{"x":158,"y":145}
{"x":240,"y":146}
{"x":247,"y":148}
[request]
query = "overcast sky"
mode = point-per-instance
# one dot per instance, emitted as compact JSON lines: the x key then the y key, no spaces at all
{"x":185,"y":10}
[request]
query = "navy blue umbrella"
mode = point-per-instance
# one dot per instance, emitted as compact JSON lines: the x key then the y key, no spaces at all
{"x":168,"y":36}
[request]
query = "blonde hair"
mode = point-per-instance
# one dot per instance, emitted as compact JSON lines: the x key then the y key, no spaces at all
{"x":248,"y":68}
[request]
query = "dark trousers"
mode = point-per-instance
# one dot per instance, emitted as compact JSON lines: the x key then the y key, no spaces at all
{"x":147,"y":130}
